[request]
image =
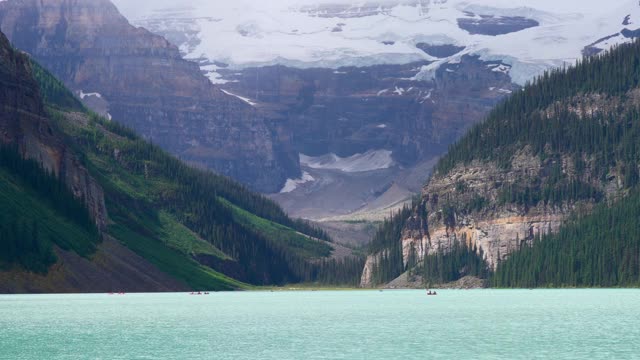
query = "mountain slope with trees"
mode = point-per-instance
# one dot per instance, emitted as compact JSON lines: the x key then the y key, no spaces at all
{"x":545,"y":188}
{"x":91,"y":206}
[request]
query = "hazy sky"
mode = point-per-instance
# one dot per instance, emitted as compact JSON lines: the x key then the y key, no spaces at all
{"x":136,"y":8}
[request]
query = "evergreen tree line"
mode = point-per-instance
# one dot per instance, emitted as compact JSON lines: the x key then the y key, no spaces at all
{"x":53,"y":91}
{"x":199,"y":187}
{"x":345,"y":271}
{"x":457,"y":262}
{"x":47,"y":187}
{"x":24,"y":242}
{"x":388,"y":247}
{"x":520,"y":121}
{"x":597,"y":250}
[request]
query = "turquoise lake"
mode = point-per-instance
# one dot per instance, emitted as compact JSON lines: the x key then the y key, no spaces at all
{"x":456,"y":324}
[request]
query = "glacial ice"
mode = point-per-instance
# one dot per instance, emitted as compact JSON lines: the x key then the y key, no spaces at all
{"x":251,"y":33}
{"x":368,"y":161}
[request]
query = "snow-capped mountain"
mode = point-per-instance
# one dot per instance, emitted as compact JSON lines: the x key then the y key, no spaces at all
{"x":529,"y":36}
{"x":373,"y":91}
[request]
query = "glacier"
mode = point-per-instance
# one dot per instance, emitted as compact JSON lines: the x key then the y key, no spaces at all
{"x":362,"y":162}
{"x":338,"y":33}
{"x":293,"y":184}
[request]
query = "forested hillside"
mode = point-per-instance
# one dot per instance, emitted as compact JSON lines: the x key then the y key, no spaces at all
{"x":601,"y":249}
{"x":544,"y":189}
{"x":201,"y":229}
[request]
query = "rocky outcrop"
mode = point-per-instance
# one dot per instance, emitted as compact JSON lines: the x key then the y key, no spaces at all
{"x":495,"y":228}
{"x":142,"y":81}
{"x":23,"y":122}
{"x":465,"y":205}
{"x":366,"y":279}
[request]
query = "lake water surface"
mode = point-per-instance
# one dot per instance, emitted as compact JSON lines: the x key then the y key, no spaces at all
{"x":476,"y":324}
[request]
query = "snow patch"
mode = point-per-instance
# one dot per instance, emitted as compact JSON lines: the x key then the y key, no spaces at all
{"x":83,"y":94}
{"x":502,"y":68}
{"x":247,"y":100}
{"x":211,"y":72}
{"x":368,"y":161}
{"x":427,"y":97}
{"x":293,"y":184}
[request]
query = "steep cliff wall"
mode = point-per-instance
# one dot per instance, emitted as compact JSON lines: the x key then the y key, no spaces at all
{"x":24,"y":123}
{"x":358,"y":109}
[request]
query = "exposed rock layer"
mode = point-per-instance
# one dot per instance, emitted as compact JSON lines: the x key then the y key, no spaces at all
{"x":24,"y":123}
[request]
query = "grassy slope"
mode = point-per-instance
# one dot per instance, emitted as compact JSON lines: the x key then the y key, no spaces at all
{"x":301,"y":244}
{"x":152,"y":233}
{"x":173,"y":261}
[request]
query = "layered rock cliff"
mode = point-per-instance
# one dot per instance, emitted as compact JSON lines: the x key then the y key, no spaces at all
{"x":358,"y":109}
{"x":140,"y":79}
{"x":23,"y":123}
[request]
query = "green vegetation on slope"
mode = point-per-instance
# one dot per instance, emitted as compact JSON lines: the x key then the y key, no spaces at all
{"x":179,"y":237}
{"x":301,"y":245}
{"x":460,"y":261}
{"x":37,"y":211}
{"x":173,"y":262}
{"x":545,"y":116}
{"x":53,"y":91}
{"x":157,"y":197}
{"x":321,"y":270}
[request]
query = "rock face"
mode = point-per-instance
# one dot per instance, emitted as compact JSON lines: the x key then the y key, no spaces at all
{"x":142,"y":81}
{"x":355,"y":111}
{"x":496,"y":230}
{"x":358,"y":109}
{"x":23,"y":123}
